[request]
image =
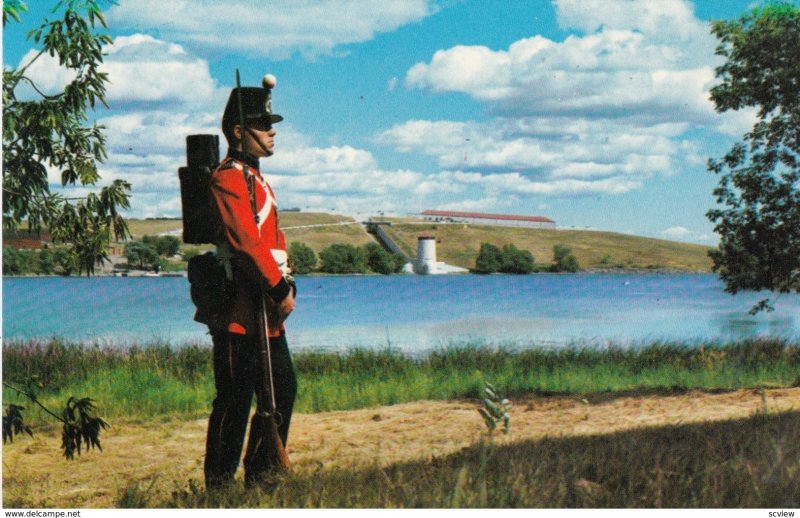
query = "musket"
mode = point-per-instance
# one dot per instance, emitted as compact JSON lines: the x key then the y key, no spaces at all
{"x":265,"y":449}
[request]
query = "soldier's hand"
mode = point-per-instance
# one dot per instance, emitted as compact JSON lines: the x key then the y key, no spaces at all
{"x":286,"y":307}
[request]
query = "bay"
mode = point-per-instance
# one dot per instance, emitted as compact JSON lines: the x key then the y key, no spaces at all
{"x":411,"y":313}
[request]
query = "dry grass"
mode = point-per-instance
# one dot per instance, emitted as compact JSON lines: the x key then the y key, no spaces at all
{"x":300,"y":227}
{"x":150,"y":227}
{"x":294,"y":219}
{"x":162,"y":457}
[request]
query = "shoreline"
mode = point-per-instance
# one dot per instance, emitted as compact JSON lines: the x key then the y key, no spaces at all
{"x":587,"y":271}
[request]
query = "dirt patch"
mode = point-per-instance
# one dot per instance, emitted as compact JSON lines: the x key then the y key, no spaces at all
{"x":168,"y":455}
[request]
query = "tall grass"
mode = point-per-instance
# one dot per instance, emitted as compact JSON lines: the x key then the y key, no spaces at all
{"x":158,"y":379}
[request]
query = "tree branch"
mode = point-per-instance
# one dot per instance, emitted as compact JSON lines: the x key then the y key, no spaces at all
{"x":33,"y":398}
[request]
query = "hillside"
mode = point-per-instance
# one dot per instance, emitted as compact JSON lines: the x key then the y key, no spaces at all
{"x":298,"y":226}
{"x":304,"y":227}
{"x":458,"y":244}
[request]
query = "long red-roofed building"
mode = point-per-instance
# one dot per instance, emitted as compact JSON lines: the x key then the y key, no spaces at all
{"x":481,"y":218}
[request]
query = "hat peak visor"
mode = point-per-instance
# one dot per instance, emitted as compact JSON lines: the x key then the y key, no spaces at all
{"x":264,"y":121}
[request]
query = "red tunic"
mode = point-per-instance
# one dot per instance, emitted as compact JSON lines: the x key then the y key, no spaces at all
{"x":254,"y":260}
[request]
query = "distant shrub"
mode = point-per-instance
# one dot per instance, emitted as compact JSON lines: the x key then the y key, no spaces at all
{"x":509,"y":259}
{"x":563,"y":260}
{"x":490,"y":259}
{"x":164,"y":245}
{"x":302,"y":258}
{"x":45,"y":261}
{"x":382,"y":261}
{"x":339,"y":258}
{"x":141,"y":255}
{"x":516,"y":260}
{"x":15,"y":262}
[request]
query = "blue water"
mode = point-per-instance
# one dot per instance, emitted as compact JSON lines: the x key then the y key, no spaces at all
{"x":412,"y":313}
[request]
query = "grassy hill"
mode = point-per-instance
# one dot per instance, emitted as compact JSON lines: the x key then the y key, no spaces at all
{"x":302,"y":227}
{"x":458,"y":244}
{"x":297,"y":226}
{"x":149,"y":227}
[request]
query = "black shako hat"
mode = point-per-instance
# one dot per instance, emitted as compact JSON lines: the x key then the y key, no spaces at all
{"x":256,"y":106}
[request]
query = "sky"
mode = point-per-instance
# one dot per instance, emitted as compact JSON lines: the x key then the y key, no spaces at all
{"x":594,"y":113}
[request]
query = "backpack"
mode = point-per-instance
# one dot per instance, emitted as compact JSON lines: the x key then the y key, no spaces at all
{"x":201,"y":222}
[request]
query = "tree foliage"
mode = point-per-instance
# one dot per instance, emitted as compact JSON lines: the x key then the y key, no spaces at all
{"x":81,"y":428}
{"x":303,"y":259}
{"x":53,"y":131}
{"x":163,"y":245}
{"x":141,"y":255}
{"x":489,"y":260}
{"x":759,"y":179}
{"x":43,"y":262}
{"x":509,"y":259}
{"x":516,"y":260}
{"x":564,"y":260}
{"x":341,"y":258}
{"x":14,"y":423}
{"x":379,"y":260}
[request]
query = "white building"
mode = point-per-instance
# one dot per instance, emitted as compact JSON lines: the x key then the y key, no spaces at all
{"x":426,"y":263}
{"x":479,"y":218}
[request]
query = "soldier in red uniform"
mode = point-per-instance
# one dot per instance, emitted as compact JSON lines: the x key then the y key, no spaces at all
{"x":256,"y":251}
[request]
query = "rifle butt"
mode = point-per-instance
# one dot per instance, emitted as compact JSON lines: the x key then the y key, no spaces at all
{"x":266,"y":455}
{"x":282,"y":462}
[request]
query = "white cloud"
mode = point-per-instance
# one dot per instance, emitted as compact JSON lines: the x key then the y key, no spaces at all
{"x":310,"y":27}
{"x":676,"y":232}
{"x":586,"y":156}
{"x":601,"y":111}
{"x":309,"y":161}
{"x":679,"y":233}
{"x":611,"y":74}
{"x":140,"y":68}
{"x":143,"y":69}
{"x":662,"y":21}
{"x":478,"y":205}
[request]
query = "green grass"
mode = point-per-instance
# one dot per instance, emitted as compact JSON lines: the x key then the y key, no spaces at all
{"x":159,"y":380}
{"x":744,"y":463}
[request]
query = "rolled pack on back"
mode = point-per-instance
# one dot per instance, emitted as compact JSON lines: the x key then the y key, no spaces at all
{"x":200,"y":220}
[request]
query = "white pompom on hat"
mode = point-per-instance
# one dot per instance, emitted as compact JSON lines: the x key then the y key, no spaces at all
{"x":269,"y":81}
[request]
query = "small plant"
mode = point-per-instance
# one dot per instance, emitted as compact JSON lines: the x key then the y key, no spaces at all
{"x":495,"y":410}
{"x":81,"y":428}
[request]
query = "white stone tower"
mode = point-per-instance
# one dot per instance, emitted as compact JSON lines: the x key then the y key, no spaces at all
{"x":426,"y":255}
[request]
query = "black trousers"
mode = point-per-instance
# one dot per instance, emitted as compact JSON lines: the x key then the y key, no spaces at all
{"x":236,"y":376}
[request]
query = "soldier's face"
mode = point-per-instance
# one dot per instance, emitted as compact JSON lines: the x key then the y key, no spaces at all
{"x":260,"y":142}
